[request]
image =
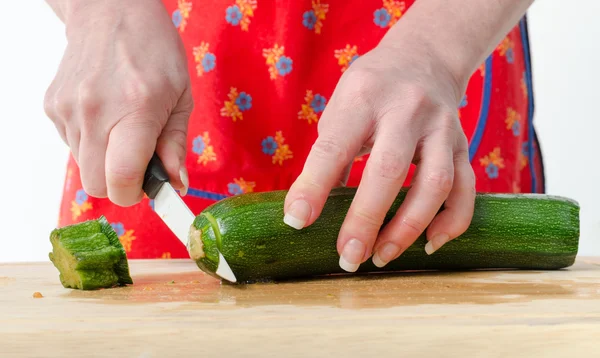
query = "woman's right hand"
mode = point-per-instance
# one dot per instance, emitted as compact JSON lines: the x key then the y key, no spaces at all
{"x":122,"y":92}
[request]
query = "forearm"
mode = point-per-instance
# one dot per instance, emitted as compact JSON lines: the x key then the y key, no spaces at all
{"x":461,"y":36}
{"x":66,"y":9}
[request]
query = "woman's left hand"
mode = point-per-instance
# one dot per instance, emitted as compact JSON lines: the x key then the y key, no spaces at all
{"x":400,"y":104}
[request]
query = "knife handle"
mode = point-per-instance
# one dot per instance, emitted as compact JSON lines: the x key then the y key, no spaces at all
{"x":155,"y":177}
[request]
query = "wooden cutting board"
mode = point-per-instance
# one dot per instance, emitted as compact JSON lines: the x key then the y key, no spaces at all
{"x":174,"y":310}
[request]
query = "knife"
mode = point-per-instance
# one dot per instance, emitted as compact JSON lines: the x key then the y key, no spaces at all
{"x":172,"y":209}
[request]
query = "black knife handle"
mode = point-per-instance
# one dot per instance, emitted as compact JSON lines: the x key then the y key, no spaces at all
{"x":155,"y":177}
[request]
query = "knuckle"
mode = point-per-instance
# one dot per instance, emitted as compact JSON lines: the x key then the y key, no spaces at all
{"x":88,"y":99}
{"x":121,"y":176}
{"x":413,"y":225}
{"x":367,"y":217}
{"x":138,"y":92}
{"x":441,"y":179}
{"x":62,"y":104}
{"x":388,"y":165}
{"x":330,"y":148}
{"x":359,"y":87}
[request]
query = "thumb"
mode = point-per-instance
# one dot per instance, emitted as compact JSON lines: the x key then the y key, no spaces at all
{"x":171,"y":145}
{"x":131,"y":144}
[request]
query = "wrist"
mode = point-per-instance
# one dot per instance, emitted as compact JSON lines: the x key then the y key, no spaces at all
{"x":81,"y":13}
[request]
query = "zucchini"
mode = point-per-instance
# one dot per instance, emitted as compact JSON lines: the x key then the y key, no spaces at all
{"x":508,"y":231}
{"x":89,"y":256}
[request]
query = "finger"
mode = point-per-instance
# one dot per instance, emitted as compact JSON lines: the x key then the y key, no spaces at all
{"x":456,"y":217}
{"x":382,"y":179}
{"x":172,"y":143}
{"x":331,"y":153}
{"x":131,"y":144}
{"x":430,"y":187}
{"x":92,"y":154}
{"x":345,"y":175}
{"x":73,"y":136}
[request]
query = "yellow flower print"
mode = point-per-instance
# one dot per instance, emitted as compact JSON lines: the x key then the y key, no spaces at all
{"x":80,"y":205}
{"x":313,"y":105}
{"x":202,"y":147}
{"x":513,"y":121}
{"x":240,"y":186}
{"x":278,"y":64}
{"x":205,"y":61}
{"x":181,"y":15}
{"x":238,"y":103}
{"x":125,"y":236}
{"x":313,"y":19}
{"x":240,"y":13}
{"x":492,"y":162}
{"x":506,"y":49}
{"x":346,"y":56}
{"x":522,"y":161}
{"x":275,"y":147}
{"x":166,"y":256}
{"x":389,"y":14}
{"x":482,"y":70}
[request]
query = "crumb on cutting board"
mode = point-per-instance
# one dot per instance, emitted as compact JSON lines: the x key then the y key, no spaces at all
{"x":37,"y":295}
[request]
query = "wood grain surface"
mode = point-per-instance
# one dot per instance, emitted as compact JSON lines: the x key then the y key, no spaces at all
{"x":174,"y":310}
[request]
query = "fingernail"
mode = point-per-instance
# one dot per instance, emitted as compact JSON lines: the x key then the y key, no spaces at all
{"x":352,"y":255}
{"x":298,"y":214}
{"x":385,"y":254}
{"x":435,"y":243}
{"x":183,"y":174}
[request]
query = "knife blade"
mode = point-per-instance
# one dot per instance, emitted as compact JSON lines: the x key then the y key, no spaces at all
{"x":172,"y":209}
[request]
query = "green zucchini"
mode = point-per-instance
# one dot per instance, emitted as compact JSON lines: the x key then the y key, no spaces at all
{"x":508,"y":231}
{"x":89,"y":256}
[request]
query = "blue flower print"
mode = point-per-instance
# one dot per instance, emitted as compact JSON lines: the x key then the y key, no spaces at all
{"x":233,"y":15}
{"x":309,"y":19}
{"x":269,"y":146}
{"x":119,"y":229}
{"x":463,"y":102}
{"x":208,"y":62}
{"x":151,"y":203}
{"x":176,"y":18}
{"x":198,"y":145}
{"x":284,"y":65}
{"x":516,"y":128}
{"x":525,"y":149}
{"x":234,"y":189}
{"x":81,"y":197}
{"x":353,"y":59}
{"x":318,"y":103}
{"x":381,"y":17}
{"x":492,"y":171}
{"x":510,"y":55}
{"x":243,"y":101}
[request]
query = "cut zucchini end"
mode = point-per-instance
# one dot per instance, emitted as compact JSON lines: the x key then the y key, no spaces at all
{"x":195,"y":245}
{"x":89,"y":256}
{"x":203,"y":240}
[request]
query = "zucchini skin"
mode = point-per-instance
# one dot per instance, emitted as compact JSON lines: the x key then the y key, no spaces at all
{"x":89,"y":256}
{"x":508,"y":231}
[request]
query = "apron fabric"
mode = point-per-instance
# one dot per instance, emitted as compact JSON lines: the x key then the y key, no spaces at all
{"x":262,"y":72}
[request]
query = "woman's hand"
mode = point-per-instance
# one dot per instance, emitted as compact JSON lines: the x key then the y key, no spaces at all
{"x":122,"y":91}
{"x":401,"y":106}
{"x":399,"y":102}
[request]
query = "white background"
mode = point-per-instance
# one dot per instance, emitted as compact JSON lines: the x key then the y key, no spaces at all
{"x":565,"y":45}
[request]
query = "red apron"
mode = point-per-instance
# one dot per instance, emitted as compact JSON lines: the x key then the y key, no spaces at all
{"x":262,"y":72}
